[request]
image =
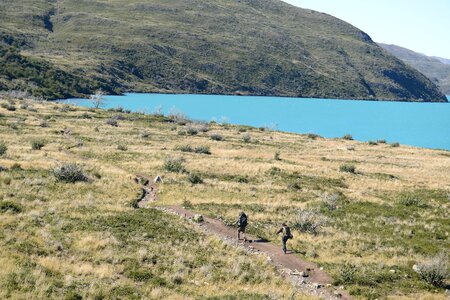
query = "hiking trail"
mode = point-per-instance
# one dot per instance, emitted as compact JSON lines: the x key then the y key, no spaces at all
{"x":305,"y":276}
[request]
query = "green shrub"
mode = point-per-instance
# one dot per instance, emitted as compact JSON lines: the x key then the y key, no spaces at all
{"x":37,"y":144}
{"x":348,"y":137}
{"x":9,"y":206}
{"x":112,"y":122}
{"x":216,"y":137}
{"x":347,"y":273}
{"x":69,"y":173}
{"x":309,"y":221}
{"x":313,"y":136}
{"x":202,"y":150}
{"x":381,"y":141}
{"x":184,"y":148}
{"x":395,"y":145}
{"x":186,"y":204}
{"x":277,"y":155}
{"x":242,"y":179}
{"x":372,"y":143}
{"x":434,"y":271}
{"x":3,"y":148}
{"x":194,"y":178}
{"x":175,"y":165}
{"x":122,"y":147}
{"x":409,"y":200}
{"x":246,"y":138}
{"x":348,"y":168}
{"x":191,"y":130}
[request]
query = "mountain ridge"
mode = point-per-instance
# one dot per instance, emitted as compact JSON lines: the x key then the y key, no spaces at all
{"x":435,"y":68}
{"x":248,"y":47}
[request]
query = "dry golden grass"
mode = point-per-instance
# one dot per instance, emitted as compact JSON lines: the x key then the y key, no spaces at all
{"x":236,"y":176}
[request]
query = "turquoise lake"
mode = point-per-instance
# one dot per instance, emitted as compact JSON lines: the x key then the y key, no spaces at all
{"x":417,"y":124}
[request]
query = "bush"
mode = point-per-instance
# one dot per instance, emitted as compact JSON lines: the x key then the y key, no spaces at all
{"x":122,"y":147}
{"x":216,"y":137}
{"x":175,"y":165}
{"x":347,"y":273}
{"x":194,"y":178}
{"x":242,"y":179}
{"x":184,"y":148}
{"x":277,"y":155}
{"x":348,"y":168}
{"x":395,"y":145}
{"x":246,"y":138}
{"x":309,"y":221}
{"x":381,"y":141}
{"x":186,"y":204}
{"x":69,"y":173}
{"x":348,"y":137}
{"x":145,"y":135}
{"x":411,"y":201}
{"x":313,"y":136}
{"x":372,"y":143}
{"x":3,"y":148}
{"x":295,"y":186}
{"x":118,"y":117}
{"x":330,"y":201}
{"x":43,"y":124}
{"x":202,"y":150}
{"x":112,"y":122}
{"x":192,"y":131}
{"x":434,"y":271}
{"x":37,"y":144}
{"x":9,"y":206}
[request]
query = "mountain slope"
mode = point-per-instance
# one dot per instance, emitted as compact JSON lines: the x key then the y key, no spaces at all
{"x":258,"y":47}
{"x":437,"y":69}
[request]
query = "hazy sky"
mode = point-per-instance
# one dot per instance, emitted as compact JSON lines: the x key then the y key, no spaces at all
{"x":420,"y":25}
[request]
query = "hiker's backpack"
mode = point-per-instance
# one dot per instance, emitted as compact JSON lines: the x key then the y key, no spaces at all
{"x":288,"y":233}
{"x":243,"y":220}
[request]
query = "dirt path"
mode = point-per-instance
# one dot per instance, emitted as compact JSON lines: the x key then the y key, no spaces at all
{"x":305,"y":276}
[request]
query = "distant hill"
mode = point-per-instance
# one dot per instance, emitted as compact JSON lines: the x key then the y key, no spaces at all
{"x":251,"y":47}
{"x":442,"y":60}
{"x":435,"y":68}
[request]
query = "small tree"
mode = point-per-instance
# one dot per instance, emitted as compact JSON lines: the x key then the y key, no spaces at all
{"x":97,"y":99}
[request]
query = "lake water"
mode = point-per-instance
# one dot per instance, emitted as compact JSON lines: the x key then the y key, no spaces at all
{"x":416,"y":124}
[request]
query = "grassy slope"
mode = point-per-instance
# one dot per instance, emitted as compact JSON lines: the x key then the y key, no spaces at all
{"x":434,"y":69}
{"x":85,"y":239}
{"x":221,"y":46}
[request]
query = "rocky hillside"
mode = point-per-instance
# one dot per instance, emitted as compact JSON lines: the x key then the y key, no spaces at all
{"x":255,"y":47}
{"x":435,"y":68}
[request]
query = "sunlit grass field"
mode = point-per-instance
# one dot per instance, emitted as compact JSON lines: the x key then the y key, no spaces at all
{"x":364,"y":212}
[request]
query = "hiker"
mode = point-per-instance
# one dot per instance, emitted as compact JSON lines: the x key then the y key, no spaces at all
{"x":241,"y":223}
{"x":287,"y":235}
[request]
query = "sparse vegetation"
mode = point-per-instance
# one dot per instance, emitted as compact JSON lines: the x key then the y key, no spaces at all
{"x":122,"y":147}
{"x":112,"y":122}
{"x":246,"y":138}
{"x":348,"y":168}
{"x":348,"y":137}
{"x":175,"y":165}
{"x":70,"y":173}
{"x":309,"y":221}
{"x":435,"y":271}
{"x":195,"y":178}
{"x":216,"y":137}
{"x":37,"y":144}
{"x":376,"y":221}
{"x":3,"y":148}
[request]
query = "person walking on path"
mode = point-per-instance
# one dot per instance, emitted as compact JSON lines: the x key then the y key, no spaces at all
{"x":287,"y":235}
{"x":241,"y":222}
